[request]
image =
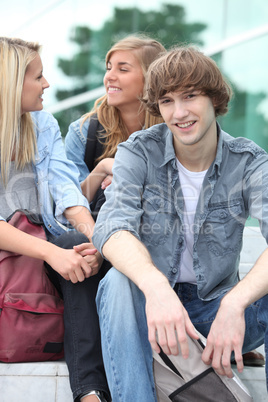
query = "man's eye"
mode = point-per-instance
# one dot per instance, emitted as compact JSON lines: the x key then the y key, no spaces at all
{"x":164,"y":101}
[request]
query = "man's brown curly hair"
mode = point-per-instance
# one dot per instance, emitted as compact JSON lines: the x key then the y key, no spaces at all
{"x":182,"y":69}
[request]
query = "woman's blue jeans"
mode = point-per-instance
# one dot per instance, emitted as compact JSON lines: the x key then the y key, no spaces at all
{"x":126,"y":350}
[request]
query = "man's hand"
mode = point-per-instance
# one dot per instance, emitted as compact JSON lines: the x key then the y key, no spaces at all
{"x":226,"y":335}
{"x":168,"y":321}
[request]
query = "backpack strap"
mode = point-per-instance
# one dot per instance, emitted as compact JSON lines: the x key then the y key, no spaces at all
{"x":94,"y":147}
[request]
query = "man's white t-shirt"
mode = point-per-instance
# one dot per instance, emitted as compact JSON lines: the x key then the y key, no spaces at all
{"x":191,"y":183}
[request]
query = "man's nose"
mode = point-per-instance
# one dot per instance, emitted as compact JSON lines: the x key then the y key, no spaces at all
{"x":180,"y":110}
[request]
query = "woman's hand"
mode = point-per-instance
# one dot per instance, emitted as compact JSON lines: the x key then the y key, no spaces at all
{"x":101,"y":176}
{"x":94,"y":260}
{"x":73,"y":265}
{"x":106,"y":182}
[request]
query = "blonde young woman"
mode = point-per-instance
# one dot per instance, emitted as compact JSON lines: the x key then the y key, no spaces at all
{"x":120,"y":113}
{"x":36,"y":175}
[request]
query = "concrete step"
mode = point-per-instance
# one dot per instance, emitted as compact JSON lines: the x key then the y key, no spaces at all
{"x":49,"y":382}
{"x":35,"y":382}
{"x":254,"y":379}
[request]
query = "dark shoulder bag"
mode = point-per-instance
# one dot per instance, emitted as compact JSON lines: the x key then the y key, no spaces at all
{"x":94,"y":149}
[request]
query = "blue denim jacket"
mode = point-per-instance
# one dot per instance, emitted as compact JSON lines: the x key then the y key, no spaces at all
{"x":75,"y":146}
{"x":56,"y":177}
{"x":146,"y":199}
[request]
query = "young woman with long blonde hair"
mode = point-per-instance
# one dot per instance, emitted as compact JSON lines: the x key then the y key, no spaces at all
{"x":37,"y":176}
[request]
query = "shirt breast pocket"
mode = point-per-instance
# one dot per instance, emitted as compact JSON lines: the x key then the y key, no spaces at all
{"x":223,"y":229}
{"x":158,"y":219}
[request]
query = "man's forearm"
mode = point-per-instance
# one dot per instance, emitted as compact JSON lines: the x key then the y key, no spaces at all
{"x":129,"y":256}
{"x":253,"y":286}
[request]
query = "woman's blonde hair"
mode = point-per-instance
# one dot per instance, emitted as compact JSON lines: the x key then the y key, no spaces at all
{"x":17,"y":137}
{"x":146,"y":50}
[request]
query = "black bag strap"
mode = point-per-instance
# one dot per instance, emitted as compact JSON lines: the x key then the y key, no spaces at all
{"x":94,"y":147}
{"x":169,"y":363}
{"x":31,"y":216}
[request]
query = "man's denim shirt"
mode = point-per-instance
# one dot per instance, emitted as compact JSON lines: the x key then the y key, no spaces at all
{"x":56,"y":177}
{"x":146,"y":199}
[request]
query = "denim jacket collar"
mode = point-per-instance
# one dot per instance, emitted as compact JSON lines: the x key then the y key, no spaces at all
{"x":215,"y":167}
{"x":169,"y":149}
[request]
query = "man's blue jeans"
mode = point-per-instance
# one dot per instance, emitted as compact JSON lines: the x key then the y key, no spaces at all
{"x":126,"y":350}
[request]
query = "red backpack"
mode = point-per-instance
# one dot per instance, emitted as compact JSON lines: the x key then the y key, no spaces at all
{"x":31,"y":311}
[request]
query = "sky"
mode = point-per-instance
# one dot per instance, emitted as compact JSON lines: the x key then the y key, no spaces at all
{"x":50,"y":22}
{"x":50,"y":25}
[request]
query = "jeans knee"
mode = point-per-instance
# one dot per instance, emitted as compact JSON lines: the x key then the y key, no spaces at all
{"x":70,"y":239}
{"x":262,"y":312}
{"x":115,"y":288}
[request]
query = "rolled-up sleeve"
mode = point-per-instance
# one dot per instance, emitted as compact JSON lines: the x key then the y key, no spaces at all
{"x":56,"y":176}
{"x":63,"y":180}
{"x":256,"y":192}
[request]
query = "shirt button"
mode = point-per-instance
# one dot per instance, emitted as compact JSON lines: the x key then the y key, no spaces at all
{"x":49,"y":225}
{"x":174,"y":270}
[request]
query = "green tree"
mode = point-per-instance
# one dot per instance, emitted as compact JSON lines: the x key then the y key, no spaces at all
{"x":84,"y":71}
{"x":86,"y":67}
{"x":167,"y":25}
{"x":243,"y":118}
